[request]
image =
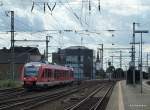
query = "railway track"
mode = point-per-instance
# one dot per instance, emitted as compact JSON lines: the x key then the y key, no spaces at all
{"x":97,"y":100}
{"x":34,"y":100}
{"x":30,"y":102}
{"x":26,"y":103}
{"x":11,"y":93}
{"x":9,"y":90}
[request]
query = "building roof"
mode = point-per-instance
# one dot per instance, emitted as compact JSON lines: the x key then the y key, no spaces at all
{"x":77,"y":47}
{"x":19,"y":58}
{"x":21,"y":54}
{"x":31,"y":50}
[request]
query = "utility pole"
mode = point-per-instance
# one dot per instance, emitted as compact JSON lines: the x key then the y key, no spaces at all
{"x":147,"y":62}
{"x":12,"y":46}
{"x":139,"y":53}
{"x":81,"y":41}
{"x":120,"y":59}
{"x":112,"y":60}
{"x":47,"y":41}
{"x":79,"y":61}
{"x":101,"y":55}
{"x":141,"y":65}
{"x":133,"y":53}
{"x":141,"y":72}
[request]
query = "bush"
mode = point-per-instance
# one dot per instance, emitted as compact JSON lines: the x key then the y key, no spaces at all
{"x":9,"y":83}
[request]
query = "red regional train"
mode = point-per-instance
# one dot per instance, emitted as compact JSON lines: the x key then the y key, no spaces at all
{"x":37,"y":74}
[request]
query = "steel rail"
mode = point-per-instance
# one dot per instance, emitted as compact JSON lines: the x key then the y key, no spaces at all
{"x":99,"y":102}
{"x":85,"y":99}
{"x":99,"y":105}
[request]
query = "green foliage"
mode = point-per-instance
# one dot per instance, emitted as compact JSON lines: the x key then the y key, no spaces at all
{"x":100,"y":74}
{"x":9,"y":83}
{"x":119,"y":73}
{"x":110,"y":69}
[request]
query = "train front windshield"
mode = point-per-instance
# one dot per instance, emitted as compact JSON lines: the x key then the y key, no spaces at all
{"x":31,"y":71}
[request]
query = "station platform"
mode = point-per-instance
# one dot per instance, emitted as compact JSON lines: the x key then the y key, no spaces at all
{"x":129,"y":97}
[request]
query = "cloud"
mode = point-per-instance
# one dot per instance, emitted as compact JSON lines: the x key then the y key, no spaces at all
{"x":115,"y":14}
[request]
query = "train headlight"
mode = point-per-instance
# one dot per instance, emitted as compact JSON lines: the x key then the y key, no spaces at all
{"x":24,"y":78}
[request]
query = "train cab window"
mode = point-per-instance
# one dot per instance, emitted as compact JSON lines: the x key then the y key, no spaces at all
{"x":31,"y":71}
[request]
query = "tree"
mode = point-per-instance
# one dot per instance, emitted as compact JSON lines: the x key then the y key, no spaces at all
{"x":110,"y":70}
{"x":100,"y":74}
{"x":119,"y":73}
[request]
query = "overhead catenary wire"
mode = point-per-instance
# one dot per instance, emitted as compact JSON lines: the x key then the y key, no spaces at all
{"x":71,"y":10}
{"x":51,"y":9}
{"x":99,"y":6}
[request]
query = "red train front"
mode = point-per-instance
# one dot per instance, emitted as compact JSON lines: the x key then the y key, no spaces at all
{"x":36,"y":74}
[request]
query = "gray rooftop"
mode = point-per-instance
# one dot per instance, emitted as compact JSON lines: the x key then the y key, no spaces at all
{"x":77,"y":47}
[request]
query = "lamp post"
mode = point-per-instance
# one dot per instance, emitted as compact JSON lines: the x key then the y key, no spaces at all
{"x":141,"y":74}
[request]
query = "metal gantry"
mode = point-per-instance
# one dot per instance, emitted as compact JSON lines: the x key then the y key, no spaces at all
{"x":47,"y":41}
{"x":12,"y":46}
{"x":141,"y":69}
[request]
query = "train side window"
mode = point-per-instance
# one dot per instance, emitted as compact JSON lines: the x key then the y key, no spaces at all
{"x":68,"y":74}
{"x":71,"y":73}
{"x":55,"y":73}
{"x":59,"y":74}
{"x":43,"y":73}
{"x":64,"y":74}
{"x":46,"y":73}
{"x":49,"y":73}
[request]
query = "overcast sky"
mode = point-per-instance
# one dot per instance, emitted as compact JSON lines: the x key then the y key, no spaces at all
{"x":74,"y":15}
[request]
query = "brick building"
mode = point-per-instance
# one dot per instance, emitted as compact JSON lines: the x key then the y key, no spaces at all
{"x":22,"y":55}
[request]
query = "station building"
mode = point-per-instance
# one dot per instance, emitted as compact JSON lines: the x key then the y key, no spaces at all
{"x":80,"y":58}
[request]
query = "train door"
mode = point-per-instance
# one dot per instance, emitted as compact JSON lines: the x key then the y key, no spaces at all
{"x":43,"y":75}
{"x":49,"y":75}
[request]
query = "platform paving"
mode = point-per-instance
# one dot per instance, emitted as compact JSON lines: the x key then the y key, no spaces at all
{"x":129,"y":97}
